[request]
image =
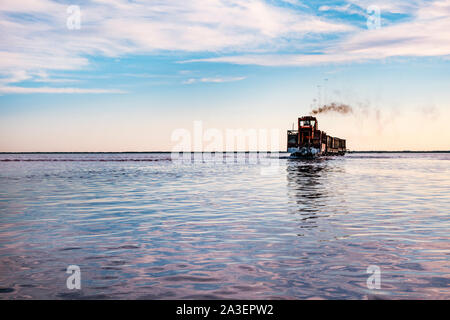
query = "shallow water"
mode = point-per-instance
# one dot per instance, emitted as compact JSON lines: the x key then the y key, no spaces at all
{"x":142,"y":226}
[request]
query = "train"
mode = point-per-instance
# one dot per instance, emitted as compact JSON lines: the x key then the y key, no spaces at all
{"x":309,"y":142}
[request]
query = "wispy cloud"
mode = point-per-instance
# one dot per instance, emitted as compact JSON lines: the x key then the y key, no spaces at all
{"x":35,"y":36}
{"x":427,"y":34}
{"x":391,"y":6}
{"x":296,"y":3}
{"x":213,"y":80}
{"x":348,"y":8}
{"x":55,"y":80}
{"x":20,"y":76}
{"x":29,"y":90}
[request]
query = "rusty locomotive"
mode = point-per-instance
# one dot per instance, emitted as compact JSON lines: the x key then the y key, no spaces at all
{"x":308,"y":141}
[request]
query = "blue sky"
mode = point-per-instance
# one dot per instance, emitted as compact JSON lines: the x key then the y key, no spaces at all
{"x":137,"y":70}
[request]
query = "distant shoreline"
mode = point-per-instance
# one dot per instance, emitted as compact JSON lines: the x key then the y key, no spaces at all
{"x":153,"y":152}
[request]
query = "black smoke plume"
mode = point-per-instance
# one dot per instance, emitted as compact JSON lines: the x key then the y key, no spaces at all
{"x":333,"y":107}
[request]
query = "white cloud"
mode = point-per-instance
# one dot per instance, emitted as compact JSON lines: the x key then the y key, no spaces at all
{"x":55,"y":80}
{"x":16,"y":76}
{"x":391,"y":6}
{"x":212,"y":25}
{"x":279,"y":59}
{"x":347,"y":8}
{"x":253,"y":31}
{"x":427,"y":34}
{"x":296,"y":3}
{"x":40,"y":39}
{"x":213,"y":80}
{"x":27,"y":90}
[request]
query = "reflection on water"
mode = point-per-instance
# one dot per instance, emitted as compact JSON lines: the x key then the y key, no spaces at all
{"x":305,"y":185}
{"x":142,"y":227}
{"x":309,"y":187}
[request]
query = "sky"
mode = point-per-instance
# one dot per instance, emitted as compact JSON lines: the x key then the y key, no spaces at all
{"x":123,"y":75}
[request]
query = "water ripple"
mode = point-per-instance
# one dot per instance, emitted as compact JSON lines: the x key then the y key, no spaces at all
{"x":142,"y":227}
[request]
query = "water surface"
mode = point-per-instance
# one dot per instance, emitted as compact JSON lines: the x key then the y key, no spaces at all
{"x":140,"y":226}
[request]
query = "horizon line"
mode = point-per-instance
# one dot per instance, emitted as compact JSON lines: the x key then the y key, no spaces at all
{"x":110,"y":152}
